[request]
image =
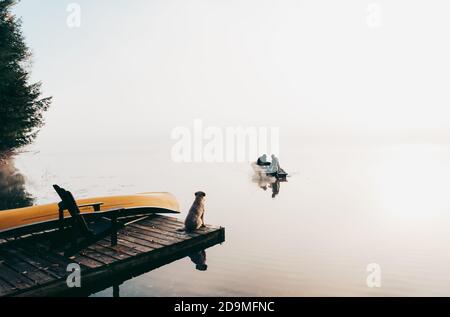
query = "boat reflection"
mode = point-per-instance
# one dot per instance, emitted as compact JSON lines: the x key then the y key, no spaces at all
{"x":266,"y":182}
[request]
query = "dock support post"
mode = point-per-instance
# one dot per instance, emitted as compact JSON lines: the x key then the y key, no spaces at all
{"x":114,"y":229}
{"x":116,"y":290}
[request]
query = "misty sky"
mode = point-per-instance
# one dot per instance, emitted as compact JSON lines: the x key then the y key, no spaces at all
{"x":139,"y":68}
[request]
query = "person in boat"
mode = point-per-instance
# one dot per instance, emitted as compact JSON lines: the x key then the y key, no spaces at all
{"x":262,"y":161}
{"x":274,"y":167}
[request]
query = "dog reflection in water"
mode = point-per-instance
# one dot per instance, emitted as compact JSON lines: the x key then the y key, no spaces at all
{"x":199,"y":259}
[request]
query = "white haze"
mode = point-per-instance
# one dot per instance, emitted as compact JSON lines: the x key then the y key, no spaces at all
{"x":135,"y":70}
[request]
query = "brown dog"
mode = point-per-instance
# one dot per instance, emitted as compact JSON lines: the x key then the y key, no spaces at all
{"x":195,"y":217}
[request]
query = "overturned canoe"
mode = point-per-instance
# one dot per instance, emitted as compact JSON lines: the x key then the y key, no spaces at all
{"x":45,"y":217}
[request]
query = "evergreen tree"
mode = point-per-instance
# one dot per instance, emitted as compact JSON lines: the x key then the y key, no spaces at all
{"x":21,"y":104}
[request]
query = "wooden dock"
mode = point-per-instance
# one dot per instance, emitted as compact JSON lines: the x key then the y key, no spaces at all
{"x":30,"y":267}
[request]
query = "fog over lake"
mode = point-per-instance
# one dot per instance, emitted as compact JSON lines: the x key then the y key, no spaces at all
{"x":358,"y":95}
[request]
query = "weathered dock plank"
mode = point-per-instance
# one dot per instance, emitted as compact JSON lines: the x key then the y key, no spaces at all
{"x":32,"y":266}
{"x":14,"y":260}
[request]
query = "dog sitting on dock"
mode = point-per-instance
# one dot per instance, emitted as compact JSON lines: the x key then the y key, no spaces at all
{"x":195,"y":217}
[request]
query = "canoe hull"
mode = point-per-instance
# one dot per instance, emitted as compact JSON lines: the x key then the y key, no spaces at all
{"x":146,"y":203}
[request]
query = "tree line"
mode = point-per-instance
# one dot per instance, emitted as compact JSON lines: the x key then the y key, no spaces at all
{"x":21,"y":102}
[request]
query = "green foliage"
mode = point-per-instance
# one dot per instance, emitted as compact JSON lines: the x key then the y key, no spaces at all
{"x":21,"y":104}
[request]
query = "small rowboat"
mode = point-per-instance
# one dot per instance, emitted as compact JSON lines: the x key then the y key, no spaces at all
{"x":265,"y":169}
{"x":281,"y":174}
{"x":45,"y":217}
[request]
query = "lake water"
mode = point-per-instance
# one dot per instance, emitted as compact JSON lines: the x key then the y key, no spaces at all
{"x":343,"y":208}
{"x":359,"y":92}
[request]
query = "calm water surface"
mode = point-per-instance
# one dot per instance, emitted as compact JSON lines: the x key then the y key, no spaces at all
{"x":343,"y":208}
{"x":122,"y":84}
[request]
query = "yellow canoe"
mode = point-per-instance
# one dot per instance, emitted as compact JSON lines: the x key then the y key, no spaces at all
{"x":145,"y":203}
